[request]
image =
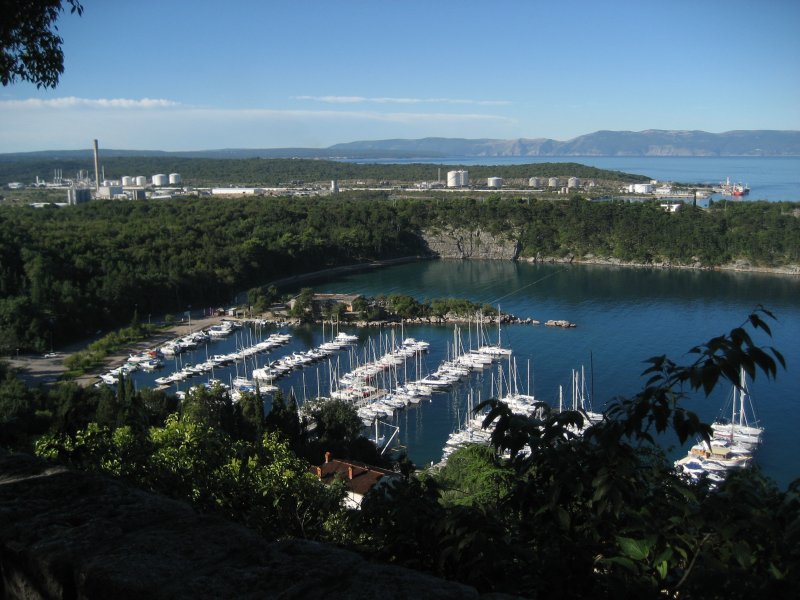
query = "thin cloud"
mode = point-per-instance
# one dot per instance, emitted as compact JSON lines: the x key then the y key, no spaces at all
{"x":73,"y":102}
{"x":390,"y":100}
{"x":392,"y":117}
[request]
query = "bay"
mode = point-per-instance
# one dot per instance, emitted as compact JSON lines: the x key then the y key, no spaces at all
{"x":770,"y":178}
{"x":623,"y":316}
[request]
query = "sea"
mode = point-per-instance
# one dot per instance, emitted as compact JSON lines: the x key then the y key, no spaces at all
{"x":623,"y":316}
{"x":769,"y":178}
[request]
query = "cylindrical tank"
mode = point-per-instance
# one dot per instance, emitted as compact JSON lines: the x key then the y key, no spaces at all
{"x":141,"y":180}
{"x":534,"y":182}
{"x":573,"y":182}
{"x":174,"y":178}
{"x":160,"y":179}
{"x":457,"y":178}
{"x":552,"y":182}
{"x":494,"y":182}
{"x":127,"y":180}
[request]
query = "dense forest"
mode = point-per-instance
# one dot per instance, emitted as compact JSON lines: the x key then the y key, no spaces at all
{"x":65,"y":273}
{"x":283,"y":171}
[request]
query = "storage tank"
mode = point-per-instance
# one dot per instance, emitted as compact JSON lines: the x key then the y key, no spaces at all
{"x":534,"y":182}
{"x":127,"y":181}
{"x":141,"y":180}
{"x":174,"y":178}
{"x":160,"y":179}
{"x":573,"y":182}
{"x":457,"y":178}
{"x":495,"y":182}
{"x":552,"y":182}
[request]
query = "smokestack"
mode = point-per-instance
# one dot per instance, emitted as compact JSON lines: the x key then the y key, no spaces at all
{"x":96,"y":168}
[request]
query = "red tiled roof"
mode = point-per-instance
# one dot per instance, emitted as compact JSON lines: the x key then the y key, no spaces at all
{"x":358,"y":478}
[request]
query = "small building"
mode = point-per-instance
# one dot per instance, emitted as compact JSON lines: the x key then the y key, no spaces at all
{"x":671,"y":206}
{"x":358,"y":478}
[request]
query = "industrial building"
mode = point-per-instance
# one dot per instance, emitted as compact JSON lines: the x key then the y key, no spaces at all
{"x":553,"y":182}
{"x":573,"y":182}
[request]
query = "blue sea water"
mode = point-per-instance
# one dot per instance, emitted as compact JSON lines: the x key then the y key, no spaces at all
{"x":623,"y":316}
{"x":769,"y":178}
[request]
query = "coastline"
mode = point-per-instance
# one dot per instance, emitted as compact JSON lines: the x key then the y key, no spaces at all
{"x":740,"y":266}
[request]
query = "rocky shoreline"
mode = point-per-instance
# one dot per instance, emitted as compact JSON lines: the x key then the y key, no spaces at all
{"x":741,"y":266}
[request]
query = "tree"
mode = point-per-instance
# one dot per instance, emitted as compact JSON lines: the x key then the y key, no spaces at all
{"x":30,"y":48}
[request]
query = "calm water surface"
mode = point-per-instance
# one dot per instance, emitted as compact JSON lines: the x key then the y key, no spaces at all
{"x":624,"y":315}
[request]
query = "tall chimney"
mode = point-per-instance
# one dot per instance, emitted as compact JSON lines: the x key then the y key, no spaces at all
{"x":96,"y":168}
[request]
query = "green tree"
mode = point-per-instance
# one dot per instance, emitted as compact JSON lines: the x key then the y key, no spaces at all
{"x":30,"y":48}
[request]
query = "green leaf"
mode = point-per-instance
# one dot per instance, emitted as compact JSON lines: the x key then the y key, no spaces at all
{"x":662,"y":569}
{"x":635,"y":549}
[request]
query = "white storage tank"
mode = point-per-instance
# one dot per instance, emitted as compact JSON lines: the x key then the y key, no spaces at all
{"x":534,"y":182}
{"x":573,"y":182}
{"x":457,"y":178}
{"x":552,"y":182}
{"x":160,"y":179}
{"x":495,"y":182}
{"x":141,"y":180}
{"x":174,"y":178}
{"x":127,"y":181}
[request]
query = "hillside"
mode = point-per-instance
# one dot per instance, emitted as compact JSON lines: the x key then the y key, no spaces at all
{"x":652,"y":142}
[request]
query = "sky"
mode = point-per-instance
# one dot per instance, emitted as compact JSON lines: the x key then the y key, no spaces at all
{"x":193,"y":75}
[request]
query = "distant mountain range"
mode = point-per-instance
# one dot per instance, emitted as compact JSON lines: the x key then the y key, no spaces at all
{"x":653,"y":142}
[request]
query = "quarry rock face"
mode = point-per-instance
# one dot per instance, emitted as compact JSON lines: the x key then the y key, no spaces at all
{"x":71,"y":535}
{"x":466,"y":243}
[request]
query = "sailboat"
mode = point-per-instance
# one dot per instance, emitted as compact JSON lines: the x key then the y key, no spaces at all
{"x":743,"y":425}
{"x":732,"y":442}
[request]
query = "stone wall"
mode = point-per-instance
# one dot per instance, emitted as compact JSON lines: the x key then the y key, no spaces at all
{"x":470,"y":243}
{"x":72,"y":535}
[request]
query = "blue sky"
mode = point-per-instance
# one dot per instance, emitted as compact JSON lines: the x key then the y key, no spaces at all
{"x":181,"y":75}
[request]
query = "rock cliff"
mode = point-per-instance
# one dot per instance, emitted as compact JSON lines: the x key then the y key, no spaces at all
{"x":73,"y":535}
{"x":470,"y":243}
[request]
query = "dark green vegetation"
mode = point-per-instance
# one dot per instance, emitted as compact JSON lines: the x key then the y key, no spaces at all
{"x":283,"y":171}
{"x":600,"y":515}
{"x":66,"y":273}
{"x":30,"y":48}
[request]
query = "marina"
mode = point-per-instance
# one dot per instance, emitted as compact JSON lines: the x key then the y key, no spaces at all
{"x":624,"y":316}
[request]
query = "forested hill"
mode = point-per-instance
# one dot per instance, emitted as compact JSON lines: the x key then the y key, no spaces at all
{"x":68,"y":272}
{"x":282,"y":171}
